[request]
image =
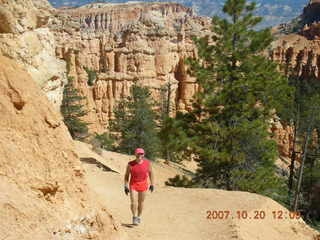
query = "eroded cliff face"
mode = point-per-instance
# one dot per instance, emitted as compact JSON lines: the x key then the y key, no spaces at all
{"x":300,"y":52}
{"x":311,"y":12}
{"x":25,"y":37}
{"x":126,"y":43}
{"x":43,"y":191}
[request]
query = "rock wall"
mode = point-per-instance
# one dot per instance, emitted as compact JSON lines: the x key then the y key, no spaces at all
{"x":126,"y":43}
{"x":300,"y":52}
{"x":25,"y":37}
{"x":43,"y":191}
{"x":311,"y":12}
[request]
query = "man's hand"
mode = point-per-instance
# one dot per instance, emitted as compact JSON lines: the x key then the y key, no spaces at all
{"x":126,"y":190}
{"x":151,"y":188}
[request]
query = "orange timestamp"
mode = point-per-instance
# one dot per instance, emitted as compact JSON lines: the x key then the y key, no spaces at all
{"x":256,"y":214}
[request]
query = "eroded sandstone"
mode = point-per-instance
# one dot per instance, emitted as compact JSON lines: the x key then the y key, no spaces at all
{"x":126,"y":43}
{"x":25,"y":37}
{"x":43,"y":191}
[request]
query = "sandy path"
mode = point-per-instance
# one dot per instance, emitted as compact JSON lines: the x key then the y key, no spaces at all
{"x":167,"y":214}
{"x":179,"y":213}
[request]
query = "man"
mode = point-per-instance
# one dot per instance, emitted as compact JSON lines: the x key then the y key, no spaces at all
{"x":139,"y":170}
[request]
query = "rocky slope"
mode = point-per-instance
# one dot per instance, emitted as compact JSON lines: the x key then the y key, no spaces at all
{"x":25,"y":37}
{"x":43,"y":191}
{"x":125,"y":43}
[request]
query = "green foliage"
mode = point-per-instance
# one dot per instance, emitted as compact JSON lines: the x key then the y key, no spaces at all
{"x":179,"y":181}
{"x":167,"y":140}
{"x":72,"y":111}
{"x":174,"y":137}
{"x":135,"y":121}
{"x":305,"y":104}
{"x":164,"y":104}
{"x":303,"y":114}
{"x":227,"y":130}
{"x":106,"y":141}
{"x":92,"y":76}
{"x":311,"y":186}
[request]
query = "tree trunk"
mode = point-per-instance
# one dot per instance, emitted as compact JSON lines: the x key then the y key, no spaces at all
{"x":168,"y":156}
{"x":296,"y":127}
{"x":293,"y":155}
{"x":305,"y":151}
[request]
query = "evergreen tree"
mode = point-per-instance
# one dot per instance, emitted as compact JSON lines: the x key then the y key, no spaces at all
{"x":240,"y":89}
{"x":92,"y":76}
{"x":165,"y":111}
{"x":310,"y":188}
{"x":303,"y":114}
{"x":106,"y":141}
{"x":174,"y":139}
{"x":135,"y":123}
{"x":72,"y":111}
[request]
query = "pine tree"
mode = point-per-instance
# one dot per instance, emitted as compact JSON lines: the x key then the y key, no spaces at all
{"x":92,"y":76}
{"x":174,"y":138}
{"x":310,"y":188}
{"x":72,"y":111}
{"x":165,"y":108}
{"x":240,"y":89}
{"x":303,"y":114}
{"x":135,"y":123}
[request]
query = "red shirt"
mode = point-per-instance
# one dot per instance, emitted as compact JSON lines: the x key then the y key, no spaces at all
{"x":139,"y":171}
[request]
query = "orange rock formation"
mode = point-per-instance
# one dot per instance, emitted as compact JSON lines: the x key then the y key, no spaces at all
{"x":125,"y":43}
{"x":43,"y":191}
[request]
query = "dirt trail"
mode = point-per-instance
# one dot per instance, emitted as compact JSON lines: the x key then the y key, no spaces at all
{"x":179,"y":213}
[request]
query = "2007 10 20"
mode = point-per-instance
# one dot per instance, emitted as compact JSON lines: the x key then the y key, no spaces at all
{"x":239,"y":214}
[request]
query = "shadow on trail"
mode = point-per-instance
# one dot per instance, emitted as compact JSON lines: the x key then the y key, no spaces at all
{"x":97,"y":163}
{"x":128,"y":225}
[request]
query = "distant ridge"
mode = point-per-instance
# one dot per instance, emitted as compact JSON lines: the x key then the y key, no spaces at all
{"x":273,"y":11}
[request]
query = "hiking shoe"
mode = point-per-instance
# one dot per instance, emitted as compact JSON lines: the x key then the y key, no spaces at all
{"x":135,"y":220}
{"x":139,"y":220}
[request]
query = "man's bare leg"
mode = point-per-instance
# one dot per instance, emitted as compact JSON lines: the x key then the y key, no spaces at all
{"x":141,"y":197}
{"x":134,"y":198}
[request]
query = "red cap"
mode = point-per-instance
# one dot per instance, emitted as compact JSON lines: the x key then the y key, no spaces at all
{"x":139,"y":150}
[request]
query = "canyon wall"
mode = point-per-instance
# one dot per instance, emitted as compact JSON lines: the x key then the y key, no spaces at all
{"x":44,"y":194}
{"x":25,"y":37}
{"x":126,"y":43}
{"x":303,"y":55}
{"x":311,"y":12}
{"x":145,"y":43}
{"x":301,"y":52}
